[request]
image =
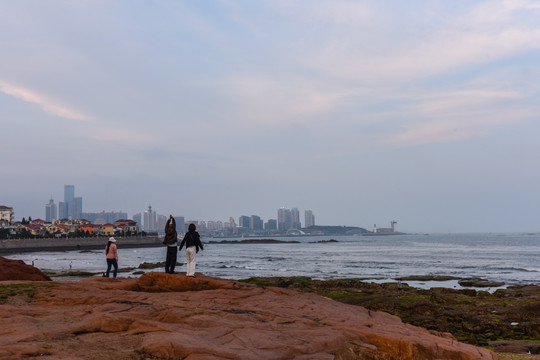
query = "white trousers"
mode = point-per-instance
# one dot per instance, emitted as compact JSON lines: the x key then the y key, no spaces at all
{"x":190,"y":257}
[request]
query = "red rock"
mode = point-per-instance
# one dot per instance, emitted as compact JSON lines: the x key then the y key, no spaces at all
{"x":18,"y":270}
{"x":176,"y":317}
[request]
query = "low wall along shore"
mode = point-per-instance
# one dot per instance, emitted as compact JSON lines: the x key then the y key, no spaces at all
{"x":67,"y":244}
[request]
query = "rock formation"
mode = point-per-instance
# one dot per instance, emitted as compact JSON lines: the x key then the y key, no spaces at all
{"x":18,"y":270}
{"x":162,"y":316}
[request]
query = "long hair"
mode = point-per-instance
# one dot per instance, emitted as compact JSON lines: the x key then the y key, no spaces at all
{"x":192,"y":227}
{"x":108,"y":246}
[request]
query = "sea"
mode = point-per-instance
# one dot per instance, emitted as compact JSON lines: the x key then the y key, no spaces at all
{"x":508,"y":258}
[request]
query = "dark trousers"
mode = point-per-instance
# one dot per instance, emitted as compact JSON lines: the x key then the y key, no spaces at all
{"x":112,"y":262}
{"x":170,"y":262}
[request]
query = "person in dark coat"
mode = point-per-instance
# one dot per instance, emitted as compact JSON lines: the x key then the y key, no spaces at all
{"x":192,"y":240}
{"x":171,"y":240}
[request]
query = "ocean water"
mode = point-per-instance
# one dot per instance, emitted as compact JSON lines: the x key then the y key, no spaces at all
{"x":510,"y":258}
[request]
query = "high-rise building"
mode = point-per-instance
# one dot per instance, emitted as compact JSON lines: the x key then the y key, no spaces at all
{"x":71,"y":207}
{"x":295,"y":218}
{"x":161,"y":222}
{"x":138,"y":219}
{"x":51,"y":212}
{"x":201,"y":226}
{"x":69,"y":193}
{"x":284,"y":219}
{"x":211,"y":226}
{"x":180,"y":225}
{"x":243,"y":221}
{"x":219,"y":225}
{"x":150,"y":220}
{"x":255,"y":223}
{"x":76,"y":208}
{"x":270,"y":225}
{"x":309,"y":218}
{"x":63,"y":210}
{"x":230,"y":226}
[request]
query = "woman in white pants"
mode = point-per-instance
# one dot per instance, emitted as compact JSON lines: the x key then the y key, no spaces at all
{"x":192,"y":240}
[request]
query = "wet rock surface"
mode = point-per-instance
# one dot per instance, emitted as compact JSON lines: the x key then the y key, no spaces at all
{"x":162,"y":316}
{"x":475,"y":317}
{"x":18,"y":270}
{"x":481,"y":283}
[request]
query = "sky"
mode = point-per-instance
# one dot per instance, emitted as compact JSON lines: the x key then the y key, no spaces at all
{"x":422,"y":112}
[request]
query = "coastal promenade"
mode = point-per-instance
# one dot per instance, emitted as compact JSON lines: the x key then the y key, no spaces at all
{"x":68,"y":244}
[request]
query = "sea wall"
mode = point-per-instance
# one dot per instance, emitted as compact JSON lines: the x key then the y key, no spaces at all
{"x":67,"y":244}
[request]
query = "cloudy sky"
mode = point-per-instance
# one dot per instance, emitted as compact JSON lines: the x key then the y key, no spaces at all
{"x":423,"y":112}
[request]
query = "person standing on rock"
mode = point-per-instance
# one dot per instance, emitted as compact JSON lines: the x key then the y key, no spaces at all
{"x":400,"y":290}
{"x":192,"y":240}
{"x":112,"y":257}
{"x":171,"y":240}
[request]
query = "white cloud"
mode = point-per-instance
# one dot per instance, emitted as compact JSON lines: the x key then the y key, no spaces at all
{"x":279,"y":101}
{"x":104,"y":132}
{"x":458,"y":115}
{"x":488,"y":32}
{"x":451,"y":101}
{"x":48,"y":105}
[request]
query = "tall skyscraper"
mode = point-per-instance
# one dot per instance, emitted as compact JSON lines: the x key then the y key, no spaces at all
{"x":243,"y":221}
{"x":271,"y":225}
{"x":231,"y":225}
{"x":256,"y":223}
{"x":284,"y":219}
{"x":63,"y":212}
{"x":180,"y":225}
{"x":51,"y":212}
{"x":295,"y":217}
{"x":309,"y":218}
{"x":69,"y":193}
{"x":71,"y":207}
{"x":150,"y":220}
{"x":138,"y":219}
{"x":76,"y":208}
{"x":161,"y":222}
{"x":214,"y":226}
{"x":201,"y":226}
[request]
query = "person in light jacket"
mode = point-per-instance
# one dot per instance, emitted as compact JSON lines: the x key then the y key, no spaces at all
{"x":111,"y":255}
{"x":192,"y":240}
{"x":171,"y":240}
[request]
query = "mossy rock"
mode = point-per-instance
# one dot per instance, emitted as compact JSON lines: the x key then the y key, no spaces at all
{"x":471,"y":316}
{"x":475,"y":282}
{"x":25,"y":291}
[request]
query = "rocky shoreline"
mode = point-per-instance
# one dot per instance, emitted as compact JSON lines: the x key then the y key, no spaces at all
{"x":162,"y":316}
{"x":507,"y":319}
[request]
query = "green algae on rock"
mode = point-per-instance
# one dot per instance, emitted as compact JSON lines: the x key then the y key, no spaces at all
{"x":475,"y":317}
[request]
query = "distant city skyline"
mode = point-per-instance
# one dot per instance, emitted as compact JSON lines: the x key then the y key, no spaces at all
{"x":150,"y":220}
